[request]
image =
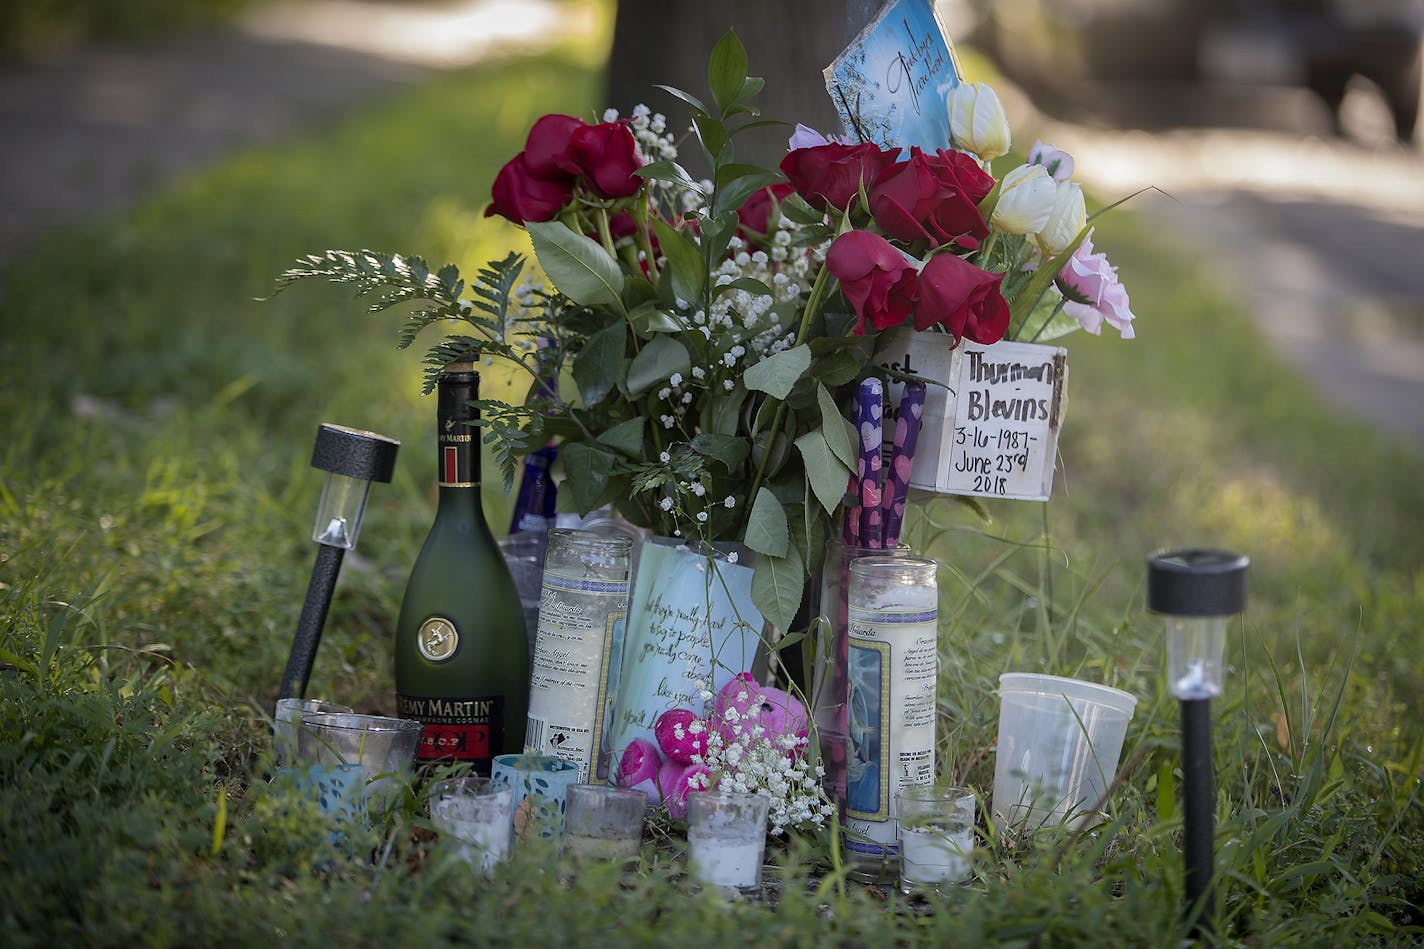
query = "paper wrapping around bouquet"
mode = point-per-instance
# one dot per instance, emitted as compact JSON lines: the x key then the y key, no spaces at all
{"x":991,"y":423}
{"x":691,"y":627}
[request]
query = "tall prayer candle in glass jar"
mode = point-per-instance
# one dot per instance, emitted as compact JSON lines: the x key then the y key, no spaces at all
{"x":893,"y":670}
{"x":578,"y":648}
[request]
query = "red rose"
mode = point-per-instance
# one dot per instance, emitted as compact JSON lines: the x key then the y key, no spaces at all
{"x":546,"y":150}
{"x":606,"y":155}
{"x":964,"y":298}
{"x":932,"y":198}
{"x":755,"y":212}
{"x":521,"y":196}
{"x":875,"y":277}
{"x":830,"y":176}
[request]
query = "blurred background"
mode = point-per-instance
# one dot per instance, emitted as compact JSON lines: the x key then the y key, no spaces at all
{"x":1280,"y":137}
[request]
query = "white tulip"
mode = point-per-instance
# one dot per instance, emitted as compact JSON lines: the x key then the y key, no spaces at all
{"x":1066,"y":219}
{"x":1026,"y":198}
{"x":976,"y":120}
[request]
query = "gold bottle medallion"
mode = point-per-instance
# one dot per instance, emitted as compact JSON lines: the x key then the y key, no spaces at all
{"x":438,"y":639}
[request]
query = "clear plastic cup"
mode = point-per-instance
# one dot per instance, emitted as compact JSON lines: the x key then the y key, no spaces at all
{"x":1059,"y":744}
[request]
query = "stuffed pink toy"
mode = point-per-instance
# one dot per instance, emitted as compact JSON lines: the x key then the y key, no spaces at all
{"x":677,"y":780}
{"x":779,"y":713}
{"x":681,"y":734}
{"x":638,"y":768}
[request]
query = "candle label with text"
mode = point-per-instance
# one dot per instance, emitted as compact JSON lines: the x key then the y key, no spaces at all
{"x":577,"y":656}
{"x":893,"y":670}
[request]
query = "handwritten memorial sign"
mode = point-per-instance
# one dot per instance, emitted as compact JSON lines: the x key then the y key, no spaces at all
{"x":991,"y":426}
{"x":691,"y":627}
{"x":889,"y":86}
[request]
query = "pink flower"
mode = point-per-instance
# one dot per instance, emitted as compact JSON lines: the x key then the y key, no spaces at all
{"x":681,"y":734}
{"x":1092,"y":292}
{"x":638,"y":767}
{"x":1058,"y":163}
{"x":676,"y":780}
{"x":742,"y":705}
{"x":875,"y":277}
{"x":963,"y":297}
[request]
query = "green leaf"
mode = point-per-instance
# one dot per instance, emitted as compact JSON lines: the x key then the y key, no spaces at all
{"x":626,"y":437}
{"x":687,"y":97}
{"x":599,"y":366}
{"x":750,"y":284}
{"x":655,"y":362}
{"x":730,"y":450}
{"x":711,"y":133}
{"x":726,"y":411}
{"x":777,"y":586}
{"x":664,"y":170}
{"x":736,"y":183}
{"x":838,"y":432}
{"x":827,"y":475}
{"x":588,"y":468}
{"x":648,"y":319}
{"x":766,"y":526}
{"x":795,"y":209}
{"x":684,"y":261}
{"x":839,"y":368}
{"x":577,"y":265}
{"x":1166,"y":792}
{"x":775,"y":375}
{"x":727,"y":70}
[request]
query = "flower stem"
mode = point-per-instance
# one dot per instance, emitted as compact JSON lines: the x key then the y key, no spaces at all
{"x":813,"y":305}
{"x":1056,"y":310}
{"x":640,"y":217}
{"x":604,"y":234}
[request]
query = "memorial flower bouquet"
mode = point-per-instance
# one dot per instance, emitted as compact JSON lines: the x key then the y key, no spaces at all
{"x":692,"y":343}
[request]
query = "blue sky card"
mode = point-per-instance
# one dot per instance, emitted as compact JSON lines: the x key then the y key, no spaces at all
{"x":889,"y":85}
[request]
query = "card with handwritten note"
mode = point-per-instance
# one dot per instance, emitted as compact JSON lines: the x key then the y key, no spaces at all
{"x":991,"y":428}
{"x":691,"y":627}
{"x":889,"y":86}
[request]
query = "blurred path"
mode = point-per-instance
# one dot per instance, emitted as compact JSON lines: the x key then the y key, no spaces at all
{"x":1321,"y":238}
{"x":89,"y":131}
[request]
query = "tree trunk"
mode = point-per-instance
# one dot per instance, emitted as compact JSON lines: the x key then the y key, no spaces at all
{"x":789,"y":43}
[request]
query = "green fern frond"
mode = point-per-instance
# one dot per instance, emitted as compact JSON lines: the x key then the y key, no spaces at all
{"x":492,"y":292}
{"x":511,"y":431}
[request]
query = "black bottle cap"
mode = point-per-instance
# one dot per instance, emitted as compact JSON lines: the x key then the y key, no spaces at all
{"x":1196,"y":582}
{"x":354,"y":453}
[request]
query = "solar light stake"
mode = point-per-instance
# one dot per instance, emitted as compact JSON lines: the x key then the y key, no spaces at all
{"x":1196,"y":591}
{"x":352,"y":459}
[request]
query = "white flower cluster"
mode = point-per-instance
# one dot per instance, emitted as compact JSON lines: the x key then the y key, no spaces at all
{"x":742,"y":757}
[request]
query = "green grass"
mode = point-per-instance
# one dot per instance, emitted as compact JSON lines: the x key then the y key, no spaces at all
{"x":155,"y":505}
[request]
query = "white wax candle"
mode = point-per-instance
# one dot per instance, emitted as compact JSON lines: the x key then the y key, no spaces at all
{"x":726,"y":863}
{"x":934,"y":856}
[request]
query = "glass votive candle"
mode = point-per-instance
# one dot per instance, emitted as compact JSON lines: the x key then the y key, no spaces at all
{"x":477,"y":813}
{"x":540,"y":784}
{"x":383,"y":747}
{"x":602,"y":822}
{"x":936,"y":828}
{"x":287,"y":722}
{"x":726,"y":836}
